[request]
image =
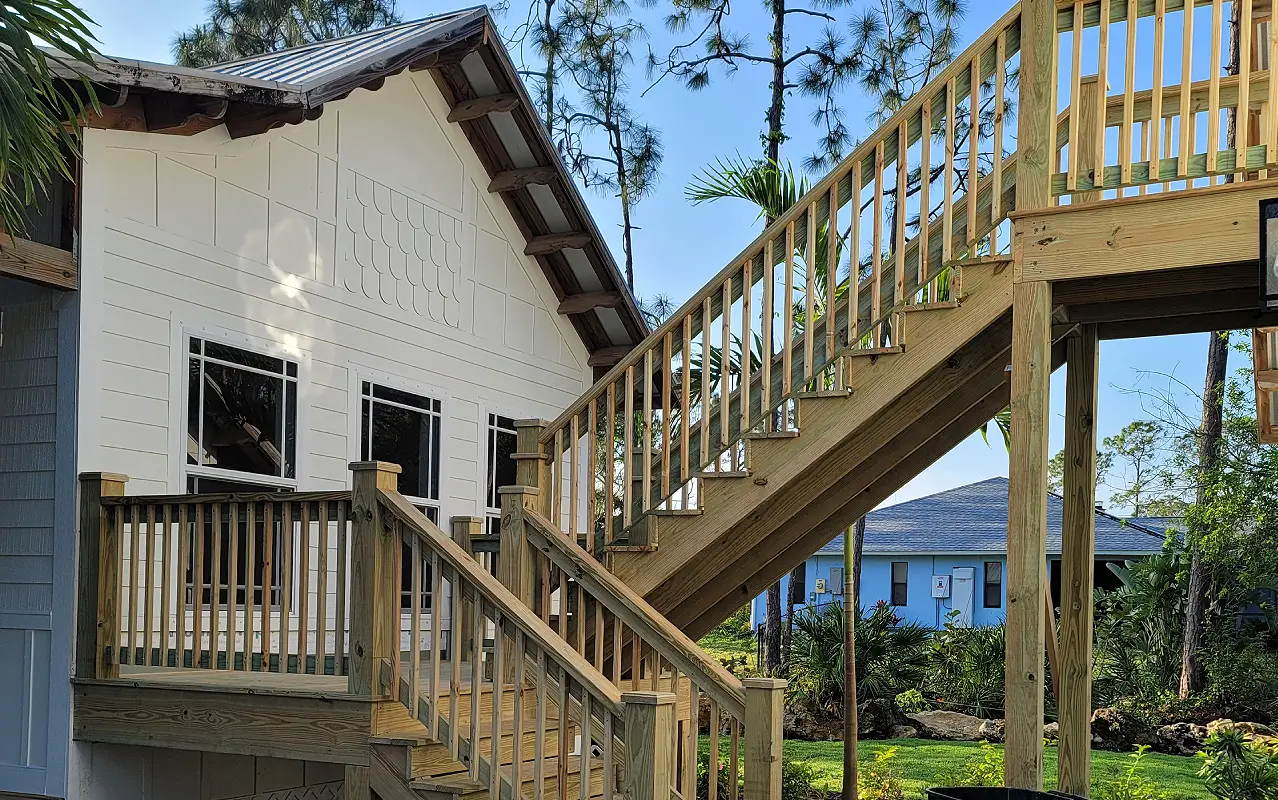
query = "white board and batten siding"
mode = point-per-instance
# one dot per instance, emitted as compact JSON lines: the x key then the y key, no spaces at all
{"x":37,"y":508}
{"x":363,"y":245}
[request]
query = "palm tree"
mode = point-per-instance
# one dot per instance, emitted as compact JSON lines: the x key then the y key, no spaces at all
{"x":34,"y":102}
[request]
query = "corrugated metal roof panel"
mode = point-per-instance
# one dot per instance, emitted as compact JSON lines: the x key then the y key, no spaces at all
{"x":314,"y":62}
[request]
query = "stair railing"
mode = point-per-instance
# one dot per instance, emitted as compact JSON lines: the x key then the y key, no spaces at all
{"x":774,"y":323}
{"x":1171,"y":116}
{"x":528,"y":715}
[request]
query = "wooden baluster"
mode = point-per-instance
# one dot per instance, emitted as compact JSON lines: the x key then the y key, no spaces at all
{"x":1145,"y":128}
{"x":436,"y":638}
{"x":184,"y":563}
{"x":666,"y":428}
{"x":583,"y":750}
{"x":456,"y":633}
{"x":734,"y":761}
{"x":1129,"y":99}
{"x":690,"y":743}
{"x":1213,"y":84}
{"x":517,"y":729}
{"x":539,"y":734}
{"x":854,"y":258}
{"x":1186,"y":87}
{"x":339,"y":617}
{"x":610,"y":486}
{"x":197,"y":580}
{"x":304,"y":591}
{"x":685,"y":408}
{"x":1271,"y":104}
{"x":232,"y":566}
{"x":787,"y":323}
{"x":636,"y":660}
{"x":499,"y":694}
{"x":947,"y":206}
{"x":725,"y":363}
{"x":1242,"y":139}
{"x":557,"y":481}
{"x":592,"y":499}
{"x":415,"y":631}
{"x":647,"y":429}
{"x":565,"y":737}
{"x":809,"y":305}
{"x":148,"y":588}
{"x":131,"y":512}
{"x":1168,"y":146}
{"x":574,"y":477}
{"x":1102,"y":85}
{"x":925,"y":183}
{"x":321,"y":593}
{"x":166,"y":579}
{"x":98,"y":594}
{"x":707,"y":351}
{"x":476,"y":681}
{"x":628,"y":462}
{"x":268,"y":579}
{"x":973,"y":155}
{"x":1156,"y":93}
{"x":598,"y":662}
{"x":616,"y":650}
{"x":609,"y":756}
{"x":288,"y":543}
{"x":765,"y":328}
{"x":747,"y":343}
{"x":215,"y":586}
{"x":563,"y":602}
{"x":899,"y":216}
{"x":832,"y":278}
{"x":1075,"y":110}
{"x":876,"y":257}
{"x":579,"y":619}
{"x":714,"y":751}
{"x":996,"y":178}
{"x":250,"y":582}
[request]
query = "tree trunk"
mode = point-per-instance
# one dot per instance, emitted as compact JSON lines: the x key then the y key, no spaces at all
{"x":776,"y":108}
{"x":793,"y":597}
{"x":858,"y":547}
{"x":549,"y":74}
{"x":1191,"y":669}
{"x":851,"y":590}
{"x":772,"y":631}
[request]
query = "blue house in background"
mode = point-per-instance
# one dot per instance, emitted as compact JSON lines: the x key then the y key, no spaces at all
{"x":948,"y":551}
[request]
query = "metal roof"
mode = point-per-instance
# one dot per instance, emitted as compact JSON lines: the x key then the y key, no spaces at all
{"x":313,"y":64}
{"x":973,"y":519}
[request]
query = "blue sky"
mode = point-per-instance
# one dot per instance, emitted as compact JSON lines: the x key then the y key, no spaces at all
{"x":679,"y":246}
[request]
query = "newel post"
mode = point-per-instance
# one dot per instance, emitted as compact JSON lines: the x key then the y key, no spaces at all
{"x":532,"y":466}
{"x":464,"y":530}
{"x":97,"y":610}
{"x":764,"y":708}
{"x":650,"y":728}
{"x":374,"y":624}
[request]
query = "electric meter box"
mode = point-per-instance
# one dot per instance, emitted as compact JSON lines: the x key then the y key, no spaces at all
{"x":941,"y":586}
{"x":820,"y":585}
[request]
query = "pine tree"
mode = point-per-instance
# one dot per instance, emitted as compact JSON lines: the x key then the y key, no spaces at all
{"x":242,"y":28}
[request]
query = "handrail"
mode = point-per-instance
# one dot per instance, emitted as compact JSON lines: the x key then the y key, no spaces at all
{"x":658,"y":633}
{"x":510,"y":607}
{"x":864,"y":154}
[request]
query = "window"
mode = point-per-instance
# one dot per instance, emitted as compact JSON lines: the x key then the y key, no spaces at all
{"x":241,"y":412}
{"x":201,"y":536}
{"x":900,"y":582}
{"x":501,"y":466}
{"x":993,"y":584}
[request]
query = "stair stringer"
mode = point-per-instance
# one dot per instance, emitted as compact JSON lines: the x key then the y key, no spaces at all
{"x":697,"y":554}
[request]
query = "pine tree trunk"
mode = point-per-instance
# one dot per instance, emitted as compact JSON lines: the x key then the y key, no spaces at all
{"x":1191,"y":669}
{"x":851,"y":591}
{"x":858,"y":547}
{"x":776,"y":108}
{"x":793,"y":597}
{"x":772,"y":631}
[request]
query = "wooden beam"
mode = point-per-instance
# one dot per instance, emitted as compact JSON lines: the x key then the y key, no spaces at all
{"x":130,"y":115}
{"x":589,"y":301}
{"x":607,"y":356}
{"x":1027,"y":533}
{"x":38,"y":263}
{"x":183,"y":115}
{"x":512,"y":179}
{"x":1078,"y":553}
{"x":1154,"y":286}
{"x":1193,"y":323}
{"x":310,"y":728}
{"x":554,"y":242}
{"x":251,"y":119}
{"x":1206,"y":300}
{"x":482,"y":106}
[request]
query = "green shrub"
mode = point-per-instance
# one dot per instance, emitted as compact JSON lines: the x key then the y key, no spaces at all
{"x":911,"y":701}
{"x":736,"y":626}
{"x":879,"y":779}
{"x":984,"y":770}
{"x":1241,"y":672}
{"x":797,"y":780}
{"x":965,"y":669}
{"x":1131,"y":785}
{"x":1235,"y":769}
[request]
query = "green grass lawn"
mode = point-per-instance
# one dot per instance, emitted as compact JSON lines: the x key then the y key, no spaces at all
{"x":924,"y":763}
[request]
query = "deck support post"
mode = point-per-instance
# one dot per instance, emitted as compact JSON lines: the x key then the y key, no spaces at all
{"x":97,"y":616}
{"x":1078,"y":548}
{"x":764,"y":709}
{"x":374,"y":579}
{"x":356,"y":787}
{"x":650,"y":728}
{"x":1027,"y":533}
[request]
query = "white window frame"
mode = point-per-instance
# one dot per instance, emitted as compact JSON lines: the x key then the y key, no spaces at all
{"x":488,"y":463}
{"x":435,"y":503}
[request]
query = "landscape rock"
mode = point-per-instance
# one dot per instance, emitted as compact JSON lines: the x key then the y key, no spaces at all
{"x":802,"y":723}
{"x":1119,"y":731}
{"x":991,"y":730}
{"x":1180,"y":739}
{"x":905,"y":732}
{"x":1250,"y":730}
{"x":949,"y":725}
{"x":1052,"y":731}
{"x":703,"y":716}
{"x":878,"y":719}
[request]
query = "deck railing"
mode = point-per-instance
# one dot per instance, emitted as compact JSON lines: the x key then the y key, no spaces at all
{"x":1147,"y":98}
{"x":931,"y":188}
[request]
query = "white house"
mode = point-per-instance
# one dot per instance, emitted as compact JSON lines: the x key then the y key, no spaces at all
{"x":362,"y":249}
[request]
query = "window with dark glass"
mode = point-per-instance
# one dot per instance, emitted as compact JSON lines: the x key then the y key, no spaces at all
{"x":501,"y":466}
{"x":242,"y":411}
{"x":232,"y":527}
{"x":900,"y":583}
{"x":993,"y":584}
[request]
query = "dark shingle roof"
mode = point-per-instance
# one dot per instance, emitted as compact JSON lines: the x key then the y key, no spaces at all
{"x":973,"y":519}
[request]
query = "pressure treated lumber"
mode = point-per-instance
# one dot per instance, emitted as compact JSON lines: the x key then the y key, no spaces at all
{"x":97,"y":615}
{"x":1078,"y":548}
{"x":513,"y":179}
{"x":589,"y":301}
{"x":1027,"y":533}
{"x":38,"y":263}
{"x":554,"y":242}
{"x":482,"y":106}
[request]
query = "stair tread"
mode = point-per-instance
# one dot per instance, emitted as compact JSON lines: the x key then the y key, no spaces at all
{"x":822,"y":394}
{"x":877,"y":351}
{"x":675,"y":512}
{"x":936,"y":306}
{"x":725,"y":474}
{"x":788,"y":434}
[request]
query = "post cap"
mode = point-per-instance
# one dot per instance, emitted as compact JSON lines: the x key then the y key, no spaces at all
{"x":380,"y":466}
{"x":648,"y":698}
{"x":465,"y":520}
{"x":103,"y":476}
{"x":517,"y":489}
{"x":532,"y":423}
{"x":764,"y":683}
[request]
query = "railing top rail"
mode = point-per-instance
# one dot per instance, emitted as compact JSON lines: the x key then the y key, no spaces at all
{"x":958,"y":67}
{"x":509,"y":605}
{"x":1117,"y":10}
{"x":227,"y":497}
{"x":673,"y":645}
